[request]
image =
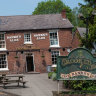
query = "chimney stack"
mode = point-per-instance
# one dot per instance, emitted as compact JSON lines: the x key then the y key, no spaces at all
{"x":63,"y":13}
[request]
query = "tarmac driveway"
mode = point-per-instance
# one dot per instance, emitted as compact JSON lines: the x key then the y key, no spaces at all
{"x":37,"y":85}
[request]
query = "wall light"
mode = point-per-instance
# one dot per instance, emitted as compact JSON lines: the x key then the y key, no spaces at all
{"x":49,"y":50}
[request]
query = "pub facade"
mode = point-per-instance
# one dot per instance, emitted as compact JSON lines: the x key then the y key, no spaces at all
{"x":31,"y":43}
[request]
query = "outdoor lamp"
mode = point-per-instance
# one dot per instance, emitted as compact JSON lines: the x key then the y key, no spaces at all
{"x":7,"y":53}
{"x":21,"y":52}
{"x":49,"y":50}
{"x":63,"y":49}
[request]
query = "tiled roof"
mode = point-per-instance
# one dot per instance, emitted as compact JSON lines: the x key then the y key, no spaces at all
{"x":82,"y":31}
{"x":32,"y":22}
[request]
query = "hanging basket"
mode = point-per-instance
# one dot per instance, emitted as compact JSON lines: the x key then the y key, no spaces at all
{"x":16,"y":57}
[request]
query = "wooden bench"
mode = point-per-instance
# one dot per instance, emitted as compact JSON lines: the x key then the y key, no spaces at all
{"x":23,"y":82}
{"x":9,"y":79}
{"x":13,"y":81}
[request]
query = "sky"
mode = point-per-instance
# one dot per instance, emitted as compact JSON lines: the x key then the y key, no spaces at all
{"x":26,"y":7}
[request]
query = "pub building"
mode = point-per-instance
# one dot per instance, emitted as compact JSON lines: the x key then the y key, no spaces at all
{"x":31,"y":43}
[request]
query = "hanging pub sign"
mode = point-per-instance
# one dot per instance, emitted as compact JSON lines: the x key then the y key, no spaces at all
{"x":80,"y":64}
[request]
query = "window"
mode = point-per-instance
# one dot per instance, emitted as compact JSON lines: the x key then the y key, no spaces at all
{"x":54,"y":38}
{"x":2,"y":41}
{"x":3,"y":61}
{"x":27,"y":38}
{"x":54,"y":55}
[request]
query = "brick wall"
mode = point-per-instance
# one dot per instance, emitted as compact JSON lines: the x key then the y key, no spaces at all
{"x":40,"y":63}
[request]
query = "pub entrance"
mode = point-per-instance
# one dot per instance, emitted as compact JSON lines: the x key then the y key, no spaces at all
{"x":30,"y":64}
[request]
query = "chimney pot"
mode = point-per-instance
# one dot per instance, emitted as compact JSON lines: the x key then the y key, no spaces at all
{"x":63,"y":13}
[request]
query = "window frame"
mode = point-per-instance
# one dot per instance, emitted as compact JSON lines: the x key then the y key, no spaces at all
{"x":51,"y":55}
{"x":4,"y":69}
{"x":53,"y":31}
{"x":29,"y":42}
{"x":2,"y":49}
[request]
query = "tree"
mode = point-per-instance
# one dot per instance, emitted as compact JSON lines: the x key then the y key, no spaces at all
{"x":49,"y":7}
{"x":90,"y":3}
{"x":77,"y":22}
{"x":87,"y":10}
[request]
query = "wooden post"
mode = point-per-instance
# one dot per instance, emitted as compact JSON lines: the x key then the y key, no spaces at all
{"x":58,"y":86}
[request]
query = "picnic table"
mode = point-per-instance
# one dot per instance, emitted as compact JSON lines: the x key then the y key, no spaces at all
{"x":8,"y":79}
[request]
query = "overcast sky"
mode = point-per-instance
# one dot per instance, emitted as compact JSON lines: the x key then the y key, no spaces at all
{"x":26,"y":7}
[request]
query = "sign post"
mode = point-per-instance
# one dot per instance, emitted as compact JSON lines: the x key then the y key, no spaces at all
{"x":58,"y":86}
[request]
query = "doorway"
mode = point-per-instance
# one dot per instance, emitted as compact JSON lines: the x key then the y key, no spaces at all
{"x":30,"y":65}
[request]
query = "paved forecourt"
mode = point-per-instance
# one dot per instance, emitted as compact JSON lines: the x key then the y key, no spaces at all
{"x":37,"y":85}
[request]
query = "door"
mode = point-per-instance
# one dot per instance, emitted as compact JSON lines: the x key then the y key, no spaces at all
{"x":30,"y":65}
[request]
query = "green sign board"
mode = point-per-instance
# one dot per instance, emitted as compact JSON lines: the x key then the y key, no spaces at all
{"x":80,"y":64}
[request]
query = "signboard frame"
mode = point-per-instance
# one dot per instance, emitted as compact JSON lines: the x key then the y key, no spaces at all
{"x":81,"y":63}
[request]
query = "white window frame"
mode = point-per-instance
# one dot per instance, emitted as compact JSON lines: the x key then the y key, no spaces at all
{"x":51,"y":55}
{"x":2,"y":49}
{"x":27,"y":42}
{"x":5,"y":69}
{"x":53,"y":31}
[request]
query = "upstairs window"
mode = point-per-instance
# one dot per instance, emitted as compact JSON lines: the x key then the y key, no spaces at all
{"x":2,"y":41}
{"x":54,"y":55}
{"x":27,"y":38}
{"x":54,"y":38}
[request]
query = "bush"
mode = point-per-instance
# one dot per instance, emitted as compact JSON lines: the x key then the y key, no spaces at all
{"x":81,"y":85}
{"x":54,"y":76}
{"x":50,"y":75}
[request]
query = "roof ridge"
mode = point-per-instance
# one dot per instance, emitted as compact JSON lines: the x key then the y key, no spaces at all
{"x":30,"y":15}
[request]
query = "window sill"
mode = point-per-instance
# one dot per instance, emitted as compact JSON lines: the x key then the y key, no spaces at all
{"x":4,"y":69}
{"x":3,"y":49}
{"x":55,"y":46}
{"x":54,"y":65}
{"x":28,"y":43}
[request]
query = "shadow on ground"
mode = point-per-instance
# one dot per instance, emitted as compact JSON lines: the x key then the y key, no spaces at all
{"x":2,"y":93}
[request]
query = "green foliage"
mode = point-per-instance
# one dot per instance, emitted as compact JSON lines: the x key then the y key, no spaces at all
{"x":77,"y":21}
{"x":81,"y":85}
{"x":87,"y":10}
{"x":50,"y":74}
{"x":54,"y":76}
{"x":49,"y":7}
{"x":92,"y":31}
{"x":91,"y":3}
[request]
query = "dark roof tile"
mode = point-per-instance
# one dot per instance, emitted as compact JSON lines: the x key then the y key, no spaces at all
{"x":31,"y":22}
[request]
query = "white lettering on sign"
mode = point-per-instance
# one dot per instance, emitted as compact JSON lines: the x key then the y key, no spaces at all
{"x":40,"y":36}
{"x":14,"y":38}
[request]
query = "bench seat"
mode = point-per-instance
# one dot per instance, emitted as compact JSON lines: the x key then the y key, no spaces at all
{"x":13,"y":81}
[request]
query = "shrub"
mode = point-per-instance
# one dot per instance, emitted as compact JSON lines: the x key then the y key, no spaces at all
{"x":50,"y":75}
{"x":53,"y":76}
{"x":81,"y":85}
